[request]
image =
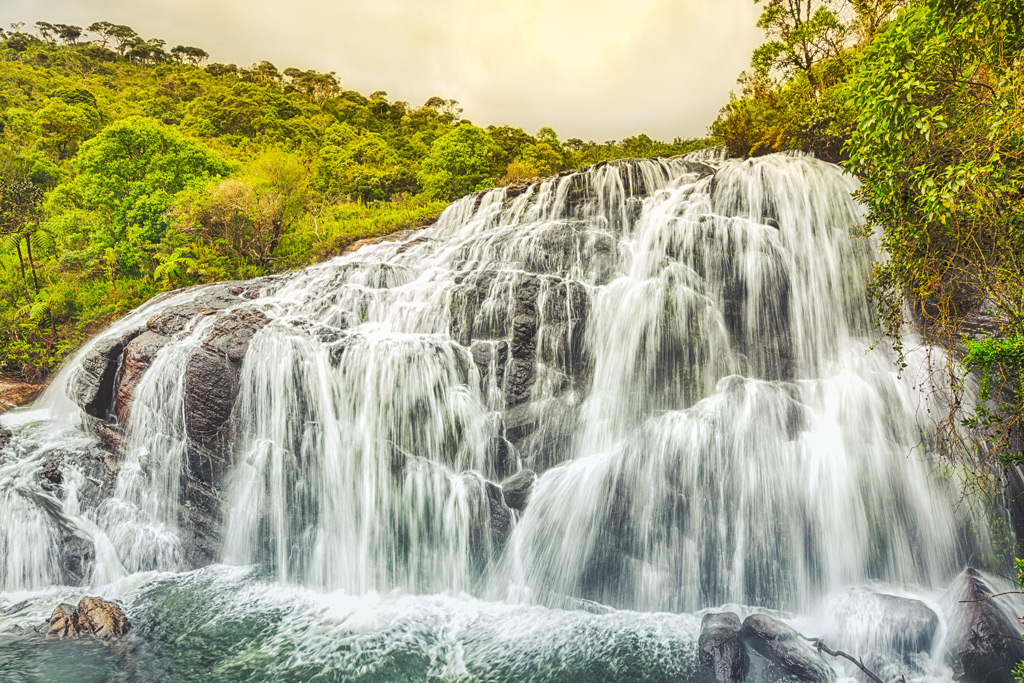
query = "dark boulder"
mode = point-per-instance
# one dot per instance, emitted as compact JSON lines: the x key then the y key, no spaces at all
{"x":138,"y":356}
{"x":516,"y":489}
{"x":721,"y":649}
{"x":211,"y":384}
{"x":783,"y":647}
{"x":5,"y":437}
{"x":211,"y":387}
{"x":92,"y":387}
{"x":983,"y":641}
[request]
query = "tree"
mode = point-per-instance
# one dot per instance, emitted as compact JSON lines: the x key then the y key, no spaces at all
{"x":939,"y":147}
{"x":64,"y":126}
{"x":459,"y":162}
{"x":20,"y":201}
{"x":104,"y":29}
{"x":803,"y":33}
{"x":316,"y":87}
{"x":129,"y":174}
{"x":122,"y":36}
{"x":47,"y":32}
{"x":247,"y":215}
{"x":148,"y":51}
{"x":193,"y":55}
{"x":872,"y":15}
{"x":68,"y":33}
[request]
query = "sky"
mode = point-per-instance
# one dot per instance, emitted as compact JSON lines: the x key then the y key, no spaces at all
{"x":591,"y":69}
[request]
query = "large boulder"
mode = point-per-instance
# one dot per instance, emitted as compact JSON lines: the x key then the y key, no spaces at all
{"x":93,"y":617}
{"x":721,"y":649}
{"x":14,"y":393}
{"x":983,"y":640}
{"x":784,"y":648}
{"x":886,"y":622}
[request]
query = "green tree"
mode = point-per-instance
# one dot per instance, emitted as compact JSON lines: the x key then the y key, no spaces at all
{"x":802,"y":32}
{"x":939,"y":146}
{"x":459,"y":163}
{"x":129,"y":174}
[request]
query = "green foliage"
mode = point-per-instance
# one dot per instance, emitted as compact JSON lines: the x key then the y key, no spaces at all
{"x":938,"y":145}
{"x":802,"y":34}
{"x":459,"y":163}
{"x":152,"y":171}
{"x":130,"y":173}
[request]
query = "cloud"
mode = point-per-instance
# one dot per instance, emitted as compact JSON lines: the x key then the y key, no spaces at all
{"x":594,"y":69}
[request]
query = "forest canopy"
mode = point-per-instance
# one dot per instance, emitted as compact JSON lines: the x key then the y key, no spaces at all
{"x":129,"y":167}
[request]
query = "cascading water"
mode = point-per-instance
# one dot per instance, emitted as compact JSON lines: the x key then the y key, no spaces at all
{"x":679,"y":349}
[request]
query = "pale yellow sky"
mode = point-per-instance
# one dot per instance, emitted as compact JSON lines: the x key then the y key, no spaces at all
{"x":592,"y":69}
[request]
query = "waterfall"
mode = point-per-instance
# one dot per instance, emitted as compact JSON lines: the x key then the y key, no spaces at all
{"x":682,"y":350}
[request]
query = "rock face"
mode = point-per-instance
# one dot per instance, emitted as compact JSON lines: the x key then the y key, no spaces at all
{"x":93,"y":617}
{"x":721,"y":649}
{"x":500,"y":517}
{"x":983,"y":642}
{"x":138,"y":356}
{"x":109,"y":378}
{"x":783,"y":647}
{"x":516,"y":489}
{"x":93,"y":385}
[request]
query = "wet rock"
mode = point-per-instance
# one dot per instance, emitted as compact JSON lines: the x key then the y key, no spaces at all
{"x":211,"y":384}
{"x":500,"y":517}
{"x":63,"y":623}
{"x":520,"y":378}
{"x":231,"y":334}
{"x":983,"y":641}
{"x":211,"y":299}
{"x":890,"y":622}
{"x":138,"y":356}
{"x":92,"y":387}
{"x":721,"y":649}
{"x":101,"y":618}
{"x":211,"y":374}
{"x":93,"y":617}
{"x":516,"y":489}
{"x":201,"y":513}
{"x":5,"y":437}
{"x":51,"y":476}
{"x":111,"y":435}
{"x":783,"y":647}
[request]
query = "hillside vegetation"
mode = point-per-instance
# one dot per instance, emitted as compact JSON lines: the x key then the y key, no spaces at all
{"x":127,"y":169}
{"x":923,"y":100}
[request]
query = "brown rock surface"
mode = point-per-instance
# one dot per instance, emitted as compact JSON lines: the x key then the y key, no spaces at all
{"x":94,"y":617}
{"x":14,"y":393}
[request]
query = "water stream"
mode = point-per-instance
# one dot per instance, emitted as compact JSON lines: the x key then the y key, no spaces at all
{"x":682,"y":351}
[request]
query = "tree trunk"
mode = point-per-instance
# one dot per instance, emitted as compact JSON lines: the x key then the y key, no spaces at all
{"x":21,"y":260}
{"x":31,"y":263}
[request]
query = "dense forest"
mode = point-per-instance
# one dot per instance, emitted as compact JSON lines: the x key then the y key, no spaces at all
{"x":923,"y":100}
{"x":128,"y":168}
